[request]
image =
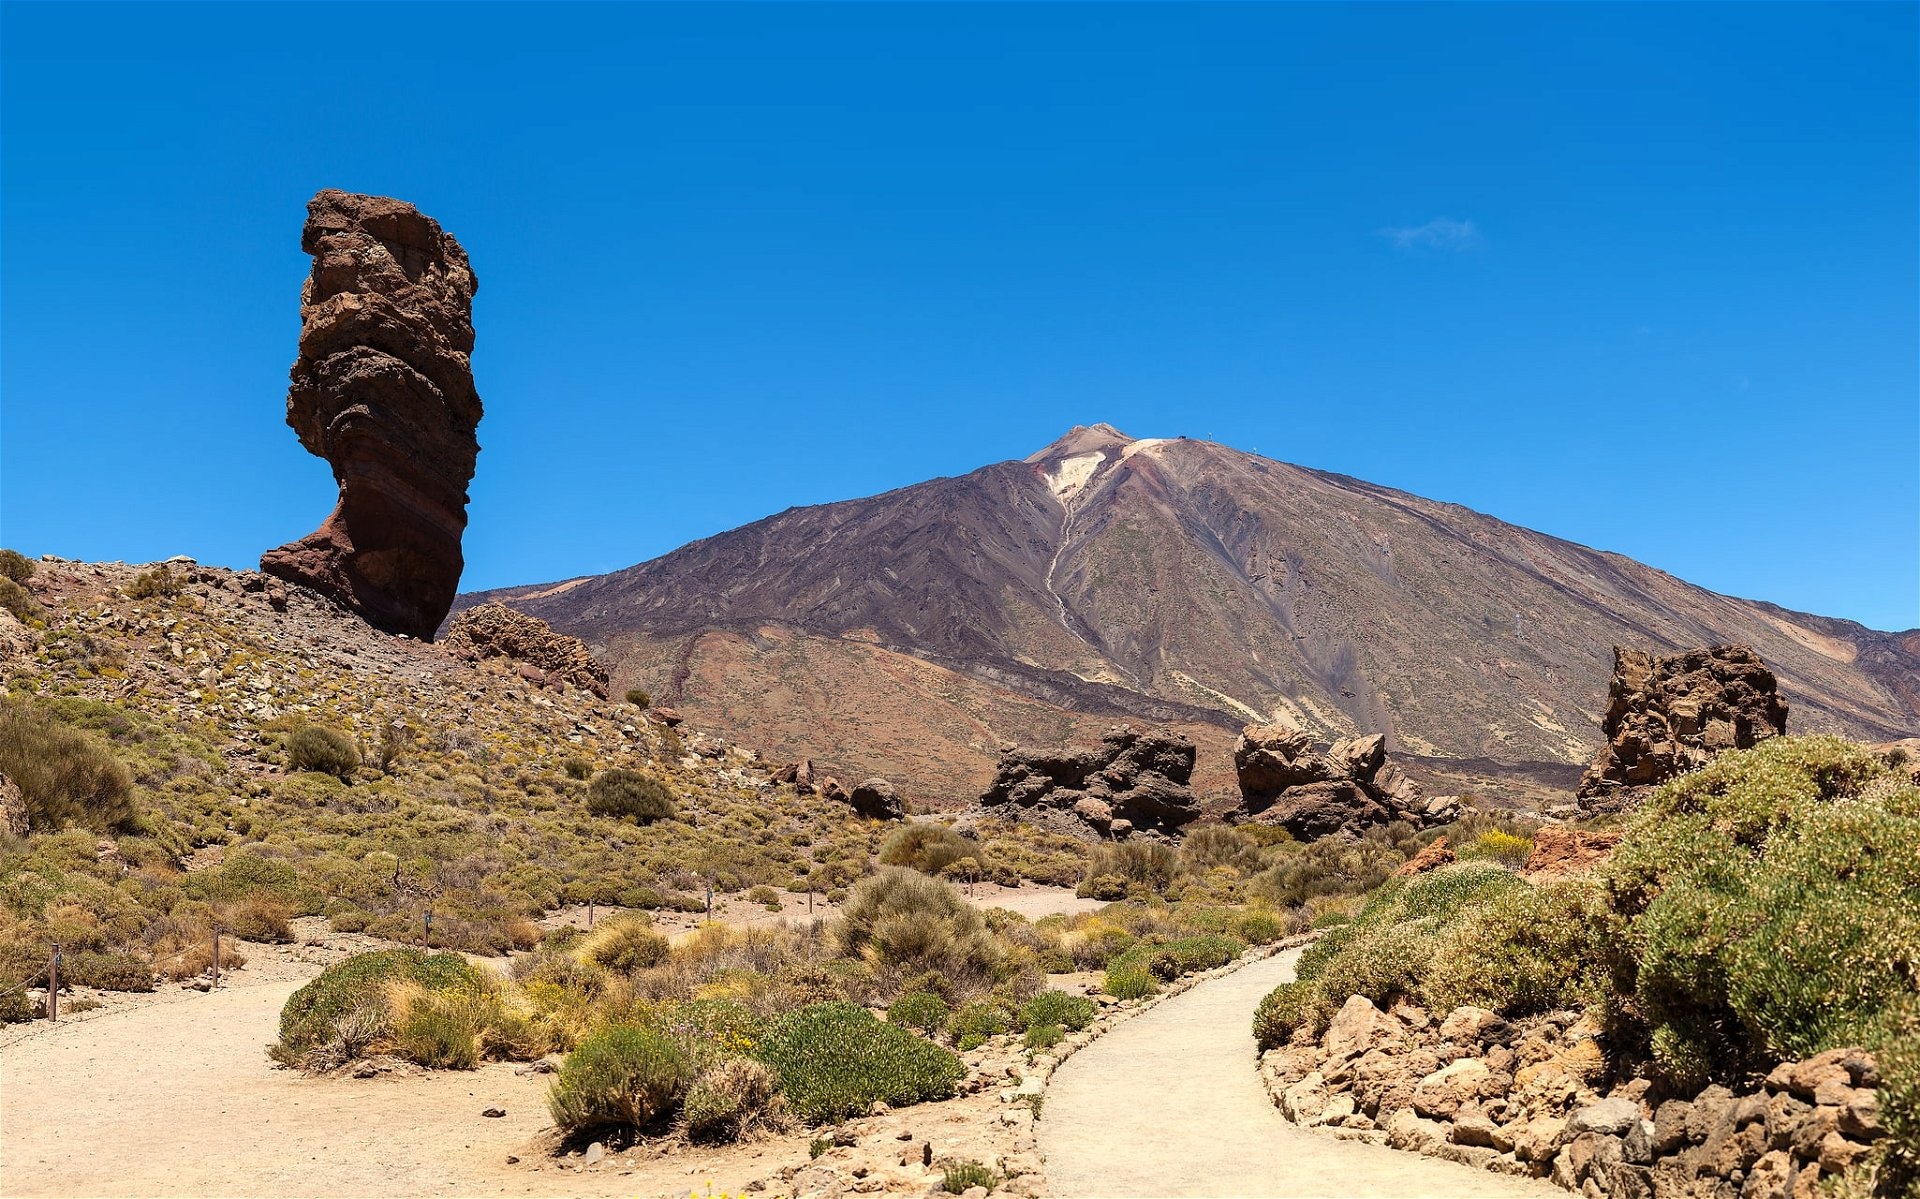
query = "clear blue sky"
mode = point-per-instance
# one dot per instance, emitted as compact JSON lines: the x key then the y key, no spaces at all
{"x":1643,"y":276}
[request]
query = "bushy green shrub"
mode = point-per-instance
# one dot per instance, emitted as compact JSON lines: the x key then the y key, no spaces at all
{"x":106,"y":971}
{"x":576,"y":768}
{"x":1525,"y":950}
{"x":65,"y":775}
{"x":15,"y":566}
{"x":962,"y":1176}
{"x":977,"y":1021}
{"x":1074,"y":1012}
{"x":639,"y":698}
{"x":1212,"y":845}
{"x":313,"y":1015}
{"x":1128,"y":977}
{"x":1147,"y":866}
{"x":322,"y":750}
{"x":19,"y":601}
{"x":904,"y":921}
{"x":622,"y":1076}
{"x":1285,"y":1008}
{"x":926,"y":847}
{"x":623,"y":944}
{"x":441,"y":1030}
{"x":1257,"y":927}
{"x":630,"y":795}
{"x":835,"y":1060}
{"x":1044,"y":1036}
{"x":156,"y":583}
{"x":924,"y":1013}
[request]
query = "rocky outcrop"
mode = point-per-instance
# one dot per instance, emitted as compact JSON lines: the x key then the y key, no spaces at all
{"x":877,"y":800}
{"x":1348,"y":787}
{"x":1433,"y":857}
{"x":545,"y":658}
{"x":383,"y":390}
{"x":1133,"y":782}
{"x":1559,"y":851}
{"x":13,"y":808}
{"x":798,"y":775}
{"x":1667,"y":716}
{"x":1532,"y":1097}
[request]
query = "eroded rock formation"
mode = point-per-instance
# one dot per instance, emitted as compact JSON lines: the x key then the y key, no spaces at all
{"x":545,"y":658}
{"x":1667,"y":716}
{"x":1132,"y":782}
{"x":1348,"y":787}
{"x":876,"y":799}
{"x":383,"y":390}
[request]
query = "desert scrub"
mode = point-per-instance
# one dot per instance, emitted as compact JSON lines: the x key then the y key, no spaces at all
{"x":66,"y":775}
{"x":925,"y":1013}
{"x":1529,"y":949}
{"x":624,"y":1076}
{"x":962,"y":1176}
{"x":1287,"y":1007}
{"x":15,"y":566}
{"x":630,"y":795}
{"x":623,"y":944}
{"x":928,"y":848}
{"x":1143,"y":868}
{"x":157,"y":583}
{"x":977,"y":1021}
{"x":1073,"y":1012}
{"x":904,"y":922}
{"x":344,"y":1011}
{"x":728,"y":1098}
{"x":312,"y":747}
{"x":835,"y":1060}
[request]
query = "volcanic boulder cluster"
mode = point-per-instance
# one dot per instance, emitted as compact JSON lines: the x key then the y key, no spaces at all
{"x":1667,"y":716}
{"x":1346,"y":788}
{"x":1133,"y":782}
{"x":876,"y":798}
{"x":383,"y":390}
{"x":544,"y":658}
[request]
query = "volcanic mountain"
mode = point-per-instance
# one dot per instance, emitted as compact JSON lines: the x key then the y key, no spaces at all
{"x":1178,"y":583}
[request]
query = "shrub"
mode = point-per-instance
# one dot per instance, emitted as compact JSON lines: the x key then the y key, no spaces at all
{"x":260,"y":918}
{"x":15,"y":566}
{"x":19,"y":601}
{"x":924,"y":1013}
{"x":355,"y":989}
{"x":441,"y":1030}
{"x":1057,"y":1007}
{"x":902,"y":920}
{"x":15,"y":1008}
{"x":1145,"y":865}
{"x":623,"y":944}
{"x":963,"y":1176}
{"x":977,"y":1021}
{"x":1527,"y":950}
{"x":728,"y":1098}
{"x":835,"y":1061}
{"x":623,"y":1076}
{"x":928,"y":848}
{"x":1105,"y":887}
{"x":1128,"y":978}
{"x":639,"y":698}
{"x":322,"y":750}
{"x":1044,"y":1036}
{"x":630,"y":795}
{"x":1498,"y":845}
{"x":155,"y":583}
{"x":66,"y":776}
{"x":1285,"y":1008}
{"x":576,"y":768}
{"x":106,"y":971}
{"x":765,"y":896}
{"x":1213,"y":845}
{"x":1258,"y":928}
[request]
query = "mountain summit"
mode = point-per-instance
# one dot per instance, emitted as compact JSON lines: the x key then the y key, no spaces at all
{"x":1180,"y":582}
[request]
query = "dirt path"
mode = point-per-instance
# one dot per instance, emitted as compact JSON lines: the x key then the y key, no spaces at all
{"x":1170,"y":1104}
{"x":176,"y":1097}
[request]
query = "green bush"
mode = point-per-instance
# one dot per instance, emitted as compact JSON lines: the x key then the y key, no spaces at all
{"x":835,"y":1060}
{"x":1044,"y":1036}
{"x":639,"y":698}
{"x":15,"y":1007}
{"x":66,"y":776}
{"x":902,"y":920}
{"x":926,"y":847}
{"x":963,"y":1176}
{"x":322,"y":750}
{"x":156,"y":583}
{"x":441,"y":1030}
{"x":1146,"y":866}
{"x":1128,"y":977}
{"x":1285,"y":1008}
{"x":624,"y":943}
{"x":106,"y":971}
{"x":924,"y":1013}
{"x":1258,"y":927}
{"x":1526,"y":950}
{"x":1074,"y":1012}
{"x":622,"y":1076}
{"x":19,"y":601}
{"x":630,"y":795}
{"x":1213,"y":845}
{"x":312,"y":1017}
{"x":977,"y":1021}
{"x":15,"y":566}
{"x":577,"y":768}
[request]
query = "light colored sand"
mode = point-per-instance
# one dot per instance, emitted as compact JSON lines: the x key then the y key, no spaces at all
{"x":1170,"y":1104}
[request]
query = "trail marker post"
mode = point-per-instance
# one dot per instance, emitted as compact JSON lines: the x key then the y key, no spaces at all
{"x":53,"y":984}
{"x":216,"y":955}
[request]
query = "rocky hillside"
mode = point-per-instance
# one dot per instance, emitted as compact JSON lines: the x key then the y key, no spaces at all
{"x":1182,"y":583}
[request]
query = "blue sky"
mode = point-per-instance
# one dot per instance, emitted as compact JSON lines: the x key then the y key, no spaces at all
{"x":1642,"y":276}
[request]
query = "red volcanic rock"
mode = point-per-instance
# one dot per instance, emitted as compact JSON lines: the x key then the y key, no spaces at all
{"x":1559,"y":850}
{"x":497,"y":631}
{"x":1431,"y":858}
{"x":1667,"y":716}
{"x":1347,"y":788}
{"x":383,"y":390}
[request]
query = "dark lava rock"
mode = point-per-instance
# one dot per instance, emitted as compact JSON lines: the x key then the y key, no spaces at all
{"x":1139,"y":778}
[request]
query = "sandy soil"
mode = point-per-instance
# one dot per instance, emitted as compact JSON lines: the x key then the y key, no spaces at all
{"x":1169,"y":1104}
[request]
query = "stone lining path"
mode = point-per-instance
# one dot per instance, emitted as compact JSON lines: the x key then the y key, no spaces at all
{"x":1170,"y":1104}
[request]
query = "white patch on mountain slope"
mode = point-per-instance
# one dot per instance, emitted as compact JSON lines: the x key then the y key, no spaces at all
{"x":1071,"y":474}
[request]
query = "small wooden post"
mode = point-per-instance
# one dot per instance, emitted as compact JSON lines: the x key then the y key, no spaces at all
{"x":216,"y":955}
{"x":53,"y":984}
{"x":589,"y":913}
{"x":426,"y":938}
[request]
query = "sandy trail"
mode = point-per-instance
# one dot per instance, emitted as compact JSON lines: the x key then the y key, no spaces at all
{"x":176,"y":1097}
{"x":1170,"y":1104}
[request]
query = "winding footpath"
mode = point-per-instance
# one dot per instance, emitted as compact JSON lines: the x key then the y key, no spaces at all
{"x":1170,"y":1104}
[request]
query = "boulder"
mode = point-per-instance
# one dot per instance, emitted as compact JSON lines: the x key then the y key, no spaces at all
{"x":1432,"y":857}
{"x":1667,"y":716}
{"x":1137,"y":781}
{"x":1347,"y":788}
{"x":1474,"y":1026}
{"x":383,"y":390}
{"x":497,"y":631}
{"x":877,"y":800}
{"x":1357,"y":1027}
{"x":1560,"y":850}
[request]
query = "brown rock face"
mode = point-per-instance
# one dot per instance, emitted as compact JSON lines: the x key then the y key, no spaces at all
{"x":1667,"y":716}
{"x":1432,"y":857}
{"x":1559,"y":850}
{"x":383,"y":390}
{"x":13,"y":808}
{"x":1349,"y":787}
{"x":497,"y":631}
{"x":1132,"y":781}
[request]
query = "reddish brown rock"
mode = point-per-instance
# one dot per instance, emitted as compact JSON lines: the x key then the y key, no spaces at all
{"x":1432,"y":857}
{"x":1559,"y":850}
{"x":13,"y":808}
{"x":1667,"y":716}
{"x":1346,"y":788}
{"x":383,"y":390}
{"x":1138,"y":780}
{"x":545,"y":657}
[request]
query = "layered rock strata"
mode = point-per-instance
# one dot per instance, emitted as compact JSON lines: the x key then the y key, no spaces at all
{"x":1667,"y":716}
{"x":383,"y":390}
{"x":1133,"y":782}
